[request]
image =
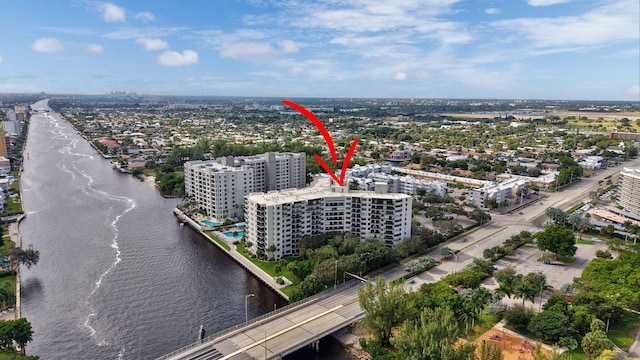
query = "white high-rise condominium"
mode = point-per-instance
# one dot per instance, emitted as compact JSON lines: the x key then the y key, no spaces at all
{"x":279,"y":220}
{"x":219,"y":186}
{"x":629,"y":191}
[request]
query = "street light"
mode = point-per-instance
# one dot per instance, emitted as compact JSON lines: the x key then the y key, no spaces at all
{"x":246,"y":313}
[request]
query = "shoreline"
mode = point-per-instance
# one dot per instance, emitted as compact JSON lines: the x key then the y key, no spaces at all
{"x":14,"y":236}
{"x":249,"y":266}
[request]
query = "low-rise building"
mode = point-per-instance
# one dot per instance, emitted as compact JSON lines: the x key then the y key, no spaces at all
{"x":500,"y":192}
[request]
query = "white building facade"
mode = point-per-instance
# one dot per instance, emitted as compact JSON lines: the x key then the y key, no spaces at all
{"x":279,"y":220}
{"x":629,"y":191}
{"x":219,"y":186}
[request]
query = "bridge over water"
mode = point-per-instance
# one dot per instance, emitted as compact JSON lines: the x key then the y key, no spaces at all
{"x":280,"y":332}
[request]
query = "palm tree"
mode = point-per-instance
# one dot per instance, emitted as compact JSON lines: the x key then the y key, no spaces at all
{"x":483,"y":294}
{"x":466,"y":314}
{"x":271,"y":249}
{"x":504,"y":290}
{"x":525,"y":292}
{"x":445,"y":251}
{"x":539,"y":286}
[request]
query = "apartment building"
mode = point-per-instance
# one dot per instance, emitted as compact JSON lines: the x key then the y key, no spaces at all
{"x":500,"y":192}
{"x":629,"y":191}
{"x":279,"y":220}
{"x":273,"y":171}
{"x":219,"y":186}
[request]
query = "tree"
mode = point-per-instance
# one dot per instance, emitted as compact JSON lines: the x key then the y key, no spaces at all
{"x":383,"y":307}
{"x":518,"y":315}
{"x":538,"y":283}
{"x":22,"y":332}
{"x":524,"y":292}
{"x":271,"y":249}
{"x":432,"y":337}
{"x":607,"y":230}
{"x":446,"y":252}
{"x":550,"y":326}
{"x":479,"y":216}
{"x":558,"y":216}
{"x":489,"y":351}
{"x":557,"y":239}
{"x":28,"y":257}
{"x":508,"y":277}
{"x":596,"y":341}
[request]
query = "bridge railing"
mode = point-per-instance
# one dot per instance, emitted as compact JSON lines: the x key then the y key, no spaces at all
{"x":286,"y":308}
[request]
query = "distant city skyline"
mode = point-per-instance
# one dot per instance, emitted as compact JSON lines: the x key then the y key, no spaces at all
{"x":515,"y":49}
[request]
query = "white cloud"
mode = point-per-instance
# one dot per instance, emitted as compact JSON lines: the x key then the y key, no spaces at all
{"x":153,"y":44}
{"x":147,"y":32}
{"x":112,"y":12}
{"x":297,"y":69}
{"x":174,"y":58}
{"x":546,"y":2}
{"x":633,"y":91}
{"x":1,"y":59}
{"x":288,"y":46}
{"x":400,"y":76}
{"x":247,"y":51}
{"x":145,"y":16}
{"x":493,"y":11}
{"x":49,"y":45}
{"x":94,"y":48}
{"x":613,"y":22}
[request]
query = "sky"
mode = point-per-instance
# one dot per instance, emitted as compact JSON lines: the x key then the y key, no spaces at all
{"x":474,"y":49}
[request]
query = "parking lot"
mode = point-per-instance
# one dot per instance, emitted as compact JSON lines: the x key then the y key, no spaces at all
{"x":525,"y":261}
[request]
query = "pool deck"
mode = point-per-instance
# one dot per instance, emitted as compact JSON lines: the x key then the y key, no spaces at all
{"x":234,"y":254}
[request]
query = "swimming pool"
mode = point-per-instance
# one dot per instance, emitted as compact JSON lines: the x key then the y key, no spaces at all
{"x":238,"y":234}
{"x":211,"y":223}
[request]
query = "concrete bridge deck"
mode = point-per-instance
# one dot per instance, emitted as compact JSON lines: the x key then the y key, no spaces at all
{"x":281,"y":332}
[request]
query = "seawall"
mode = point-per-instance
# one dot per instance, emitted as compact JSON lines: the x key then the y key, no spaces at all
{"x":258,"y":273}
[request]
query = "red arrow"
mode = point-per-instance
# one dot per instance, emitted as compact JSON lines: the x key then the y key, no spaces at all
{"x":329,"y":141}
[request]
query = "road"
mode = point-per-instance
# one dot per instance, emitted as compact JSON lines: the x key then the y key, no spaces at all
{"x":502,"y":227}
{"x":278,"y":335}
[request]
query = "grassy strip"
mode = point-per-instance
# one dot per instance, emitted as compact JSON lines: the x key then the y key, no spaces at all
{"x":584,"y":242}
{"x":9,"y":283}
{"x":487,"y":321}
{"x":270,"y":266}
{"x":12,"y":208}
{"x":10,"y":354}
{"x":623,"y":333}
{"x":575,"y":207}
{"x":218,"y":241}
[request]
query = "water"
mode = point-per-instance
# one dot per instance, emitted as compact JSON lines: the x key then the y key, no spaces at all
{"x":118,"y":278}
{"x":211,"y":223}
{"x":238,"y":234}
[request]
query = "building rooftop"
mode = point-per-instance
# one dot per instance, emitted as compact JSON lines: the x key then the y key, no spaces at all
{"x":323,"y":187}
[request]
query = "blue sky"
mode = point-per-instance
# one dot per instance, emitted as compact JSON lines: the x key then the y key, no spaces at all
{"x":516,"y":49}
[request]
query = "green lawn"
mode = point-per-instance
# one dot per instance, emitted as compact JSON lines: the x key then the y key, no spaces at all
{"x":8,"y":282}
{"x":12,"y":207}
{"x":218,"y":241}
{"x":584,"y":242}
{"x":13,"y":355}
{"x":269,"y":266}
{"x":623,"y":333}
{"x":486,"y":322}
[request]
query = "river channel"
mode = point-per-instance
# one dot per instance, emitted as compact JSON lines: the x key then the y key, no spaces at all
{"x":118,"y":277}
